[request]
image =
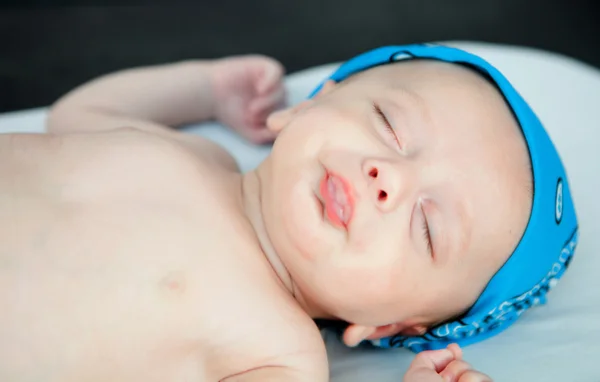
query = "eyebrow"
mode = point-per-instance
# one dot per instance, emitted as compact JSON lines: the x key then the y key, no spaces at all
{"x":408,"y":105}
{"x":415,"y":101}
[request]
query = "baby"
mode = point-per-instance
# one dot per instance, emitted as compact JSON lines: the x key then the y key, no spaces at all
{"x":398,"y":199}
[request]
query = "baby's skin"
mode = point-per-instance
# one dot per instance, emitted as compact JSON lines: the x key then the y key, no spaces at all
{"x":131,"y":251}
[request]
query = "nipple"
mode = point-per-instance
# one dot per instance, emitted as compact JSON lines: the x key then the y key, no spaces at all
{"x":173,"y":283}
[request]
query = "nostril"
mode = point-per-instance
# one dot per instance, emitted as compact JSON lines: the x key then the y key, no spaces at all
{"x":373,"y":173}
{"x":382,"y":196}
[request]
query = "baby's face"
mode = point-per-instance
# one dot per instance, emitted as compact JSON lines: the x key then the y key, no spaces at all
{"x":396,"y":195}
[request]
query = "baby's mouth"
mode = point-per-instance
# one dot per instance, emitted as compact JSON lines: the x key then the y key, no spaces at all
{"x":337,"y":198}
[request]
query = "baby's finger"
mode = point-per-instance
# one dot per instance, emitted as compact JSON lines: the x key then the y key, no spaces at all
{"x":455,"y":370}
{"x":260,"y":136}
{"x":474,"y":376}
{"x":260,"y":119}
{"x":456,"y":350}
{"x":435,"y":360}
{"x":268,"y":102}
{"x":272,"y":74}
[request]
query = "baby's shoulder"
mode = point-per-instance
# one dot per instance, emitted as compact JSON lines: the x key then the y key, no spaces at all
{"x":273,"y":334}
{"x":208,"y":152}
{"x":172,"y":145}
{"x":155,"y":159}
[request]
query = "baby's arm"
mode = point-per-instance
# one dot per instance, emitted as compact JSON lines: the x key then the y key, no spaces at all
{"x":146,"y":98}
{"x":238,"y":91}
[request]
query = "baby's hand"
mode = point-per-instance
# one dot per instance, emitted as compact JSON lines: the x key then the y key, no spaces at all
{"x":247,"y":89}
{"x":442,"y":366}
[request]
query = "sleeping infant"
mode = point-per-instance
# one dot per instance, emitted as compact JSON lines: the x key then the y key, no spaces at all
{"x":414,"y":197}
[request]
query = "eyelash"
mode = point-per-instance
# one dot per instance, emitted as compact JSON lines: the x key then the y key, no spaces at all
{"x":385,"y":122}
{"x":427,"y":235}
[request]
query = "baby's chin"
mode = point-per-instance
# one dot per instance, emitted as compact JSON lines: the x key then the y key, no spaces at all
{"x":297,"y":218}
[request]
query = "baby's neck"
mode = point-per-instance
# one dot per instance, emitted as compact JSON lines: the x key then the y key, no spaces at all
{"x":252,"y":205}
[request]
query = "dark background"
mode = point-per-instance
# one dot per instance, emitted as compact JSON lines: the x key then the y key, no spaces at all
{"x":48,"y":47}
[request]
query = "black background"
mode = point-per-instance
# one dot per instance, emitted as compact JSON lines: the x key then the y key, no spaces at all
{"x":48,"y":47}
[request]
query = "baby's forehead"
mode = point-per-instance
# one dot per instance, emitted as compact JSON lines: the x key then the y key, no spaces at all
{"x":426,"y":74}
{"x":438,"y":85}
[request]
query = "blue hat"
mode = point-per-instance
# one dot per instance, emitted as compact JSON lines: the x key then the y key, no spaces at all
{"x":549,"y":240}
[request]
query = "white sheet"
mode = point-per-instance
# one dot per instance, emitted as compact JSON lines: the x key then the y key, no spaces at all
{"x":558,"y":342}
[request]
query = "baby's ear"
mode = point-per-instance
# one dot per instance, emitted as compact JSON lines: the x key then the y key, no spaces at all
{"x":277,"y":120}
{"x":355,"y":334}
{"x":328,"y":86}
{"x":413,"y":330}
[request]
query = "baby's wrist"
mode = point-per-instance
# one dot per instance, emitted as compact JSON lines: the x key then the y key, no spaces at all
{"x":200,"y":79}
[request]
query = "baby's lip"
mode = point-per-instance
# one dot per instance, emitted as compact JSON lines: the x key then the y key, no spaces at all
{"x":338,"y":200}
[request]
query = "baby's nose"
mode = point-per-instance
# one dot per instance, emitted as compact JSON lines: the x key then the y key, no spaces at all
{"x":387,"y":183}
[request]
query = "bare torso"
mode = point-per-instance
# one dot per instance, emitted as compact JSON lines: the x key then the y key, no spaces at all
{"x":124,"y":257}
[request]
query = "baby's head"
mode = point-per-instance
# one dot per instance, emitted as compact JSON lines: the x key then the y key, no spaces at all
{"x":396,"y":193}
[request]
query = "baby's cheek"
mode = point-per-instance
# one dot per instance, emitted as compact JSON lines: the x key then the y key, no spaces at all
{"x":304,"y":137}
{"x":361,"y":282}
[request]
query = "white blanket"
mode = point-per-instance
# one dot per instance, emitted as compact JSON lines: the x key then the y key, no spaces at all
{"x":558,"y":342}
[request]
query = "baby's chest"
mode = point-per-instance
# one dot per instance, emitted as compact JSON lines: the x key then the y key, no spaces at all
{"x":155,"y":292}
